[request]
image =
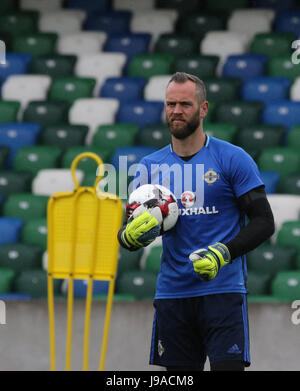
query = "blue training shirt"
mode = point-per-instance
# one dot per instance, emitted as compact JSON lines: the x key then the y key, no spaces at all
{"x":206,"y":187}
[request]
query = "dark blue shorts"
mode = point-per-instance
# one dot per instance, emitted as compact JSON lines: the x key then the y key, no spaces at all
{"x":187,"y":331}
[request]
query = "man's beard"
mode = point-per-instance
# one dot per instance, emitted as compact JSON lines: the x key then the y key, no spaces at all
{"x":185,"y":129}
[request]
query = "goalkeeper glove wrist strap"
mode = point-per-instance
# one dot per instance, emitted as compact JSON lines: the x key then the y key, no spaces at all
{"x":222,"y":253}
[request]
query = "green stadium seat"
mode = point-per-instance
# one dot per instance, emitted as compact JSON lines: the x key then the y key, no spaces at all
{"x":152,"y":262}
{"x":25,"y":206}
{"x":283,"y":66}
{"x":197,"y":25}
{"x":34,"y":283}
{"x":115,"y":135}
{"x":271,"y":258}
{"x":128,"y":260}
{"x":70,"y":88}
{"x":46,"y":112}
{"x":35,"y":232}
{"x":286,"y":285}
{"x":258,"y":137}
{"x":9,"y":111}
{"x":12,"y":182}
{"x":289,"y":235}
{"x":7,"y":276}
{"x":20,"y":256}
{"x":157,"y":136}
{"x":150,"y":64}
{"x":222,"y":89}
{"x":272,"y":44}
{"x":291,"y":184}
{"x":4,"y":152}
{"x":222,"y":131}
{"x":35,"y":44}
{"x":53,"y":65}
{"x":258,"y":283}
{"x":176,"y":44}
{"x":18,"y":23}
{"x":202,"y":66}
{"x":115,"y":183}
{"x":138,"y":283}
{"x":240,"y":113}
{"x":86,"y":165}
{"x":35,"y":158}
{"x":64,"y":135}
{"x":284,"y":160}
{"x":293,"y":137}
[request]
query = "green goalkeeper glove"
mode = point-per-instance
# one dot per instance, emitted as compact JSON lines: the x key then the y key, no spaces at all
{"x":139,"y":232}
{"x":208,"y":262}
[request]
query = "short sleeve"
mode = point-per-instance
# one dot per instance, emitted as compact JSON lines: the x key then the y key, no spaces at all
{"x":244,"y":173}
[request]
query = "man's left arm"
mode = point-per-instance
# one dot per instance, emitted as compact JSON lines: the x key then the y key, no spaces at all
{"x":207,"y":262}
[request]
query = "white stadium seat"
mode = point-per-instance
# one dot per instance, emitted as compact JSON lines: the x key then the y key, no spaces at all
{"x":25,"y":88}
{"x":50,"y":181}
{"x":62,"y":22}
{"x":223,"y":44}
{"x":250,"y":22}
{"x":93,"y":112}
{"x":295,"y":90}
{"x":155,"y":22}
{"x":41,"y":5}
{"x":100,"y":66}
{"x":81,"y":43}
{"x":155,"y":88}
{"x":285,"y":207}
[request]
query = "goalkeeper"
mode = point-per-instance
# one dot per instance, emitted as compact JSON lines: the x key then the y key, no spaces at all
{"x":201,"y":295}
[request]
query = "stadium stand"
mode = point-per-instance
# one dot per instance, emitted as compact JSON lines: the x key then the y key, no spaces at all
{"x":82,"y":75}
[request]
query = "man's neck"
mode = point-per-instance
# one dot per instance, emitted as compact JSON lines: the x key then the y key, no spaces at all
{"x":189,"y":146}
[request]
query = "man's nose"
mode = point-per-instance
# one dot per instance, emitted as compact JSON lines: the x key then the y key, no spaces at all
{"x":177,"y":109}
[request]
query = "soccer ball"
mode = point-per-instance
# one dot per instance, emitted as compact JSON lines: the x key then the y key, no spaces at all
{"x":158,"y":200}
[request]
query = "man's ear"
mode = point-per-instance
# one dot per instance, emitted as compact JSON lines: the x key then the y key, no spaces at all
{"x":204,"y":109}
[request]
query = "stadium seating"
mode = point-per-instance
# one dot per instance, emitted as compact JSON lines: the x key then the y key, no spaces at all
{"x":46,"y":112}
{"x":245,"y":66}
{"x":123,"y":88}
{"x":286,"y":285}
{"x":53,"y":65}
{"x":222,"y":89}
{"x":106,"y":65}
{"x":15,"y":64}
{"x":26,"y":88}
{"x":93,"y":112}
{"x":70,"y":88}
{"x":100,"y":288}
{"x":81,"y":43}
{"x":285,"y":208}
{"x":35,"y":232}
{"x":32,"y":159}
{"x":139,"y":283}
{"x":202,"y":66}
{"x":266,"y":89}
{"x":111,"y":137}
{"x":111,"y":22}
{"x":130,"y":44}
{"x":150,"y":64}
{"x":100,"y":66}
{"x":41,"y":5}
{"x":157,"y":136}
{"x":196,"y":24}
{"x":35,"y":44}
{"x":10,"y":229}
{"x":12,"y":182}
{"x":64,"y":135}
{"x":61,"y":22}
{"x":130,"y":155}
{"x":50,"y":181}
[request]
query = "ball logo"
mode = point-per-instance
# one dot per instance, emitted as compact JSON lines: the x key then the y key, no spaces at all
{"x":188,"y":199}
